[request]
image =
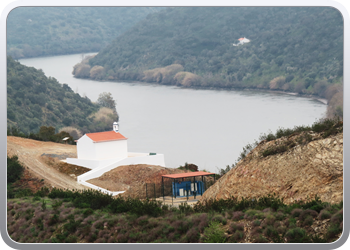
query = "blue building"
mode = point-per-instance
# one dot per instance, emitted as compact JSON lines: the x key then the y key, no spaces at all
{"x":181,"y":188}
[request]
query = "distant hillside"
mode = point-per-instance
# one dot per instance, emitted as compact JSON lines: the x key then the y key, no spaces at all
{"x":34,"y":100}
{"x":298,"y":49}
{"x":41,"y":31}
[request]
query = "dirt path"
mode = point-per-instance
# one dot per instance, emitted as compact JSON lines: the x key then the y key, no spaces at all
{"x":30,"y":153}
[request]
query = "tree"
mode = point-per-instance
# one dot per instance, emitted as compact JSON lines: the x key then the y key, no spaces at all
{"x":46,"y":133}
{"x":106,"y":100}
{"x":14,"y":169}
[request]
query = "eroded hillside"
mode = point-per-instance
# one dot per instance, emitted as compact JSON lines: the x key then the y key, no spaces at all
{"x":304,"y":170}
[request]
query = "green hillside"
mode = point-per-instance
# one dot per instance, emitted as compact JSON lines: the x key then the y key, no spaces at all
{"x":298,"y":49}
{"x":41,"y":31}
{"x":34,"y":100}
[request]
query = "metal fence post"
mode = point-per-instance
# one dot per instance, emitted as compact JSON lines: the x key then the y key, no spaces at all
{"x":154,"y":190}
{"x":187,"y":190}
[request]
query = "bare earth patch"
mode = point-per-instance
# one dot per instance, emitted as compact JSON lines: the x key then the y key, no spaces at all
{"x":33,"y":155}
{"x":133,"y":178}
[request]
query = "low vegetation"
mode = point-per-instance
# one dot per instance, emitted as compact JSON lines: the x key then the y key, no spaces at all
{"x":325,"y":127}
{"x":84,"y":216}
{"x":62,"y":216}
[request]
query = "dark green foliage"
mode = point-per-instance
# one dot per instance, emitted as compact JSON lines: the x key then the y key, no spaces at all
{"x":269,"y":201}
{"x":201,"y":38}
{"x":53,"y":219}
{"x":87,"y":212}
{"x":275,"y":150}
{"x":72,"y":225}
{"x":39,"y":119}
{"x":14,"y":169}
{"x":68,"y":225}
{"x":67,"y":30}
{"x":44,"y":191}
{"x":220,"y":219}
{"x":214,"y":233}
{"x":149,"y":207}
{"x":297,"y":235}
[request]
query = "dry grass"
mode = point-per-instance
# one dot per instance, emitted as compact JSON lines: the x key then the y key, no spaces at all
{"x":158,"y":74}
{"x":74,"y":132}
{"x":277,"y":82}
{"x":103,"y":115}
{"x":187,"y":79}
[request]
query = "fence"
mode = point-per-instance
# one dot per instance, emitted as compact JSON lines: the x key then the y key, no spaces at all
{"x":157,"y":190}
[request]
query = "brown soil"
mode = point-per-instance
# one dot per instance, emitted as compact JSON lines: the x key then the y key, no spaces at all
{"x":39,"y":172}
{"x":43,"y":167}
{"x":133,"y":179}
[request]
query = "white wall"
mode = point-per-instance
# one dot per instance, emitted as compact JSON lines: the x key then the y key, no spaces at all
{"x":101,"y":189}
{"x":86,"y":148}
{"x":111,"y":149}
{"x":89,"y":150}
{"x":92,"y":164}
{"x":97,"y":172}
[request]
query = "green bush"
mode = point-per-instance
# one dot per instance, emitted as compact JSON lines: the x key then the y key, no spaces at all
{"x":297,"y":235}
{"x":14,"y":169}
{"x":214,"y":233}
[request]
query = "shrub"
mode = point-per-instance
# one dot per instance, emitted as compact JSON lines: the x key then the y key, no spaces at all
{"x":236,"y":237}
{"x":280,"y":216}
{"x":269,"y":220}
{"x":259,"y":239}
{"x":306,"y":213}
{"x":220,"y":219}
{"x":237,"y":215}
{"x":271,"y":232}
{"x":250,"y":213}
{"x":236,"y":226}
{"x":297,"y":235}
{"x":308,"y":221}
{"x":296,"y":212}
{"x":14,"y":169}
{"x":324,"y":214}
{"x":333,"y":231}
{"x":337,"y":218}
{"x":193,"y":235}
{"x":214,"y":233}
{"x":256,"y":223}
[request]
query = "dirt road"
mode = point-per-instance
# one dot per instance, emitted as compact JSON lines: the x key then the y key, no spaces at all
{"x":30,"y":153}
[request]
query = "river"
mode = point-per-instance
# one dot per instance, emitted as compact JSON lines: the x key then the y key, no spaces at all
{"x":208,"y":128}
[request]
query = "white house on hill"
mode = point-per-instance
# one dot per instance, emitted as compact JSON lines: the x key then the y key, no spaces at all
{"x":102,"y":146}
{"x":104,"y":151}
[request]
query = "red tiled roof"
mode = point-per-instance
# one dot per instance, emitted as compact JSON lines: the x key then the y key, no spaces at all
{"x":106,"y":136}
{"x":190,"y":174}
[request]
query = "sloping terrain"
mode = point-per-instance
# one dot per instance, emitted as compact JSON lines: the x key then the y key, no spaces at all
{"x":301,"y":172}
{"x":43,"y":167}
{"x":33,"y":155}
{"x":133,"y":179}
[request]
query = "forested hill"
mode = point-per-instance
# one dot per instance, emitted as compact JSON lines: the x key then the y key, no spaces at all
{"x":34,"y":100}
{"x":296,"y":49}
{"x":41,"y":31}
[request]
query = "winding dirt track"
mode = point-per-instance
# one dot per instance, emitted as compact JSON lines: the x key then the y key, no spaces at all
{"x":29,"y":153}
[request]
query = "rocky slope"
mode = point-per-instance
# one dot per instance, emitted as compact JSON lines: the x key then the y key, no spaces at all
{"x":304,"y":170}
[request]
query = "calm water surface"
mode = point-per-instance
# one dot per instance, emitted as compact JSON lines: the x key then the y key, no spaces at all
{"x":206,"y":127}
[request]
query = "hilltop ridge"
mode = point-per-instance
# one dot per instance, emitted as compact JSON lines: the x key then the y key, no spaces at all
{"x":301,"y":172}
